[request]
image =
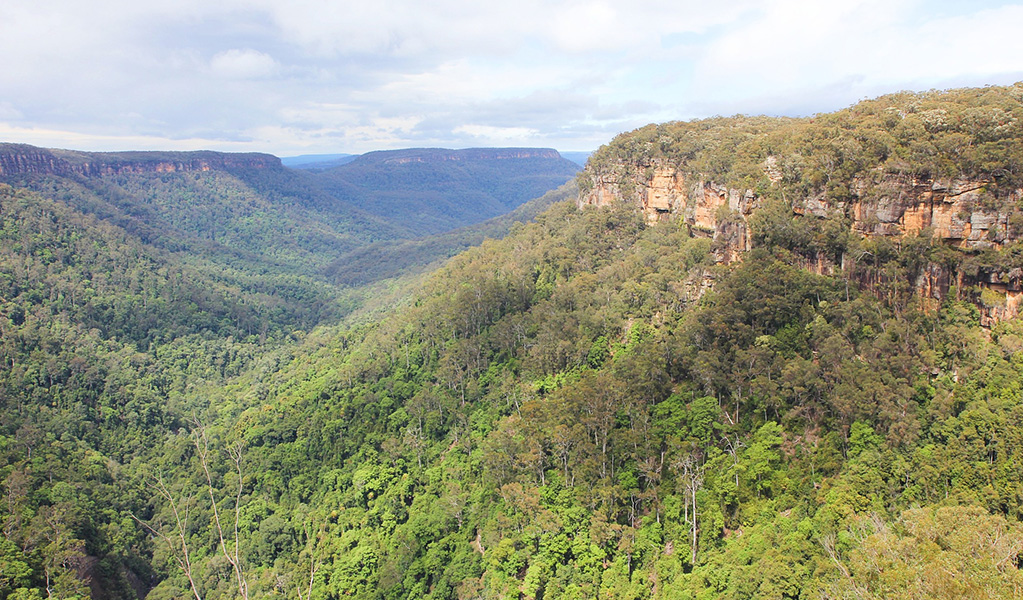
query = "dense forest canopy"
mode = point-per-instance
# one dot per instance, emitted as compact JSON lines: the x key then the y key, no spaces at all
{"x":591,"y":406}
{"x":953,"y":133}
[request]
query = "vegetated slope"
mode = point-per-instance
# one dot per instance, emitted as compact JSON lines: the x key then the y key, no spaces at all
{"x":133,"y":286}
{"x":563,"y":411}
{"x":61,"y":263}
{"x":105,"y":342}
{"x":463,"y":186}
{"x":229,"y":210}
{"x":249,"y":208}
{"x":385,"y":260}
{"x":312,"y":162}
{"x":593,"y":406}
{"x":943,"y":168}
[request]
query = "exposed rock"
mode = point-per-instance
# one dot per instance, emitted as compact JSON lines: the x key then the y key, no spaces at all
{"x":21,"y":159}
{"x":1001,"y":296}
{"x":956,"y":211}
{"x":960,"y":212}
{"x":658,"y":189}
{"x":662,"y":193}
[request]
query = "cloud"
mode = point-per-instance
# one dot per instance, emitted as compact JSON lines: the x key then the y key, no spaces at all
{"x":9,"y":113}
{"x":78,"y":140}
{"x":800,"y":49}
{"x":489,"y":133}
{"x":322,"y":75}
{"x":443,"y":27}
{"x":243,"y":64}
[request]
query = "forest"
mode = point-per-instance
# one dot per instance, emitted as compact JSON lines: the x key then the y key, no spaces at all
{"x":584,"y":405}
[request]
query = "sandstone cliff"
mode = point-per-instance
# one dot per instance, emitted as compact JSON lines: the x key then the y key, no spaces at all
{"x":961,"y":213}
{"x":22,"y":159}
{"x":663,"y":193}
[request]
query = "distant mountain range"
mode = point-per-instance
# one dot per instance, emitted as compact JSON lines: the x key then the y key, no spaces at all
{"x":398,"y":194}
{"x":426,"y":190}
{"x":260,"y":226}
{"x":317,"y":162}
{"x":320,"y":162}
{"x":578,"y":158}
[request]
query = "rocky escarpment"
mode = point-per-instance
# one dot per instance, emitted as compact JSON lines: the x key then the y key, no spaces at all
{"x":22,"y":159}
{"x":663,"y":193}
{"x":961,"y":213}
{"x":958,"y":211}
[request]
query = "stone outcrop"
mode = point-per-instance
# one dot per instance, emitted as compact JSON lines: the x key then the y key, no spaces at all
{"x":662,"y":193}
{"x":960,"y":212}
{"x":1002,"y":297}
{"x":956,"y":211}
{"x":22,"y":159}
{"x":657,"y":189}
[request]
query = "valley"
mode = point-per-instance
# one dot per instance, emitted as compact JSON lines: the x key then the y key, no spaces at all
{"x":739,"y":357}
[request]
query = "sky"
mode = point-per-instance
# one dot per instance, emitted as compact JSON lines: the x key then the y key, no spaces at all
{"x":294,"y":77}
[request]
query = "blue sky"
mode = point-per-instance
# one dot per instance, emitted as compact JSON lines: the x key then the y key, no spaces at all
{"x":327,"y":76}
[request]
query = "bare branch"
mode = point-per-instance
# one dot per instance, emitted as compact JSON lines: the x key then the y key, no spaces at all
{"x":202,"y":446}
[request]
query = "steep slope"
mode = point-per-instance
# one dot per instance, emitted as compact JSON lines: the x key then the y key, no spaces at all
{"x":461,"y":186}
{"x":596,"y":405}
{"x":232,"y":208}
{"x":601,"y":406}
{"x":106,"y":345}
{"x":133,"y":288}
{"x":247,"y":207}
{"x":943,"y":166}
{"x":570,"y":411}
{"x":22,"y":159}
{"x":385,"y":260}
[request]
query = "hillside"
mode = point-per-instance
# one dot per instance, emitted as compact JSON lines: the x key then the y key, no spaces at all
{"x":716,"y":373}
{"x":385,"y":260}
{"x":247,"y":211}
{"x":133,"y":286}
{"x":943,"y":170}
{"x":22,"y":159}
{"x":462,"y":186}
{"x":312,"y":162}
{"x":568,"y":411}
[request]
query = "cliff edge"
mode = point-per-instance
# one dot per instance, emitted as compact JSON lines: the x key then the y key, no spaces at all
{"x":22,"y":159}
{"x":946,"y":167}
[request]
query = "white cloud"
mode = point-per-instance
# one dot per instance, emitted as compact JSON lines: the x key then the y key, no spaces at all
{"x":987,"y":42}
{"x":8,"y":112}
{"x":340,"y":75}
{"x":243,"y":64}
{"x":465,"y":80}
{"x":501,"y":134}
{"x":795,"y":47}
{"x":78,"y":140}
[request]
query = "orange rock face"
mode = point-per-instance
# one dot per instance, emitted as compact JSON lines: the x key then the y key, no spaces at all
{"x":960,"y":212}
